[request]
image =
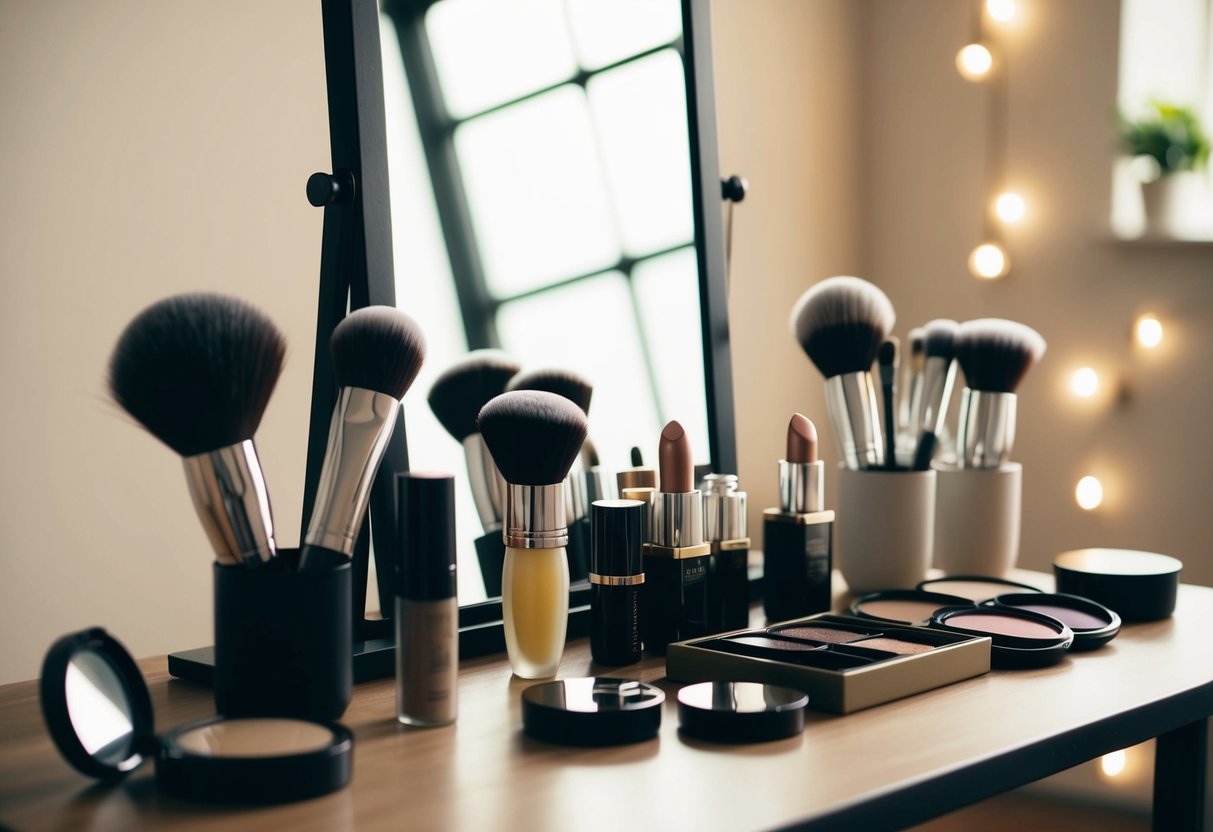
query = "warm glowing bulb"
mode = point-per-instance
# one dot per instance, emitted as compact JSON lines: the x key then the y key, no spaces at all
{"x":1010,"y":207}
{"x":1149,"y":331}
{"x":1113,"y":764}
{"x":974,"y":62}
{"x":1084,"y":382}
{"x":1001,"y":10}
{"x":988,"y":261}
{"x":1089,"y":493}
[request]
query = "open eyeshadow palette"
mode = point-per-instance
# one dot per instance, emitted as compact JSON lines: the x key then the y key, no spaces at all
{"x":844,"y":664}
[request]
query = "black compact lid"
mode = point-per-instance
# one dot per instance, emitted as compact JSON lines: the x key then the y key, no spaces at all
{"x":959,"y":584}
{"x":593,"y":710}
{"x":1010,"y":650}
{"x":1139,"y":586}
{"x":426,"y":513}
{"x":99,"y":714}
{"x":617,"y":529}
{"x":1093,"y":624}
{"x":739,"y":712}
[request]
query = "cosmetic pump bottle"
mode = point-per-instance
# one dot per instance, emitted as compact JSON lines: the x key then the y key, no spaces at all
{"x":725,"y":527}
{"x":798,"y":536}
{"x":427,"y":606}
{"x":616,"y":575}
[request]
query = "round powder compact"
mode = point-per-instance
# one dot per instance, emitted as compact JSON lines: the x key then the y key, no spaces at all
{"x":1093,"y":624}
{"x":1139,"y":586}
{"x":738,"y":712}
{"x":976,"y":588}
{"x":1019,"y":638}
{"x":593,"y":710}
{"x":905,"y":606}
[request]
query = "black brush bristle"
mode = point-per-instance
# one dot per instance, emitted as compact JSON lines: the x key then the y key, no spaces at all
{"x":574,"y":387}
{"x":887,"y":355}
{"x":197,"y":370}
{"x":533,"y":435}
{"x":841,"y":323}
{"x":918,"y":341}
{"x":939,"y":338}
{"x":589,"y":452}
{"x":465,"y":387}
{"x":377,"y":348}
{"x":995,"y":354}
{"x":637,"y":457}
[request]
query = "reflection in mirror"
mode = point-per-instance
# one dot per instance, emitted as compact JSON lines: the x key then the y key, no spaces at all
{"x":542,"y":204}
{"x":99,"y":708}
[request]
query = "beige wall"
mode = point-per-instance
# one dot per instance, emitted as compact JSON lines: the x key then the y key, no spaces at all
{"x":148,"y":148}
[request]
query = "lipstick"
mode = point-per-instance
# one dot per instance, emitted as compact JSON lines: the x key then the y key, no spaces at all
{"x":798,"y":536}
{"x":724,"y":526}
{"x":674,"y":602}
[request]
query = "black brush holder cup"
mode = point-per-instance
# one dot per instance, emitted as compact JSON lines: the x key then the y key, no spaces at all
{"x":283,"y":640}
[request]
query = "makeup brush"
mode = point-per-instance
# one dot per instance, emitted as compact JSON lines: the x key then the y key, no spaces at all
{"x":534,"y":436}
{"x":841,"y":323}
{"x":197,"y":371}
{"x":939,"y":372}
{"x":911,"y":395}
{"x":574,"y":387}
{"x":456,"y":398}
{"x":637,"y":457}
{"x":887,"y":357}
{"x":995,"y":355}
{"x":377,"y":352}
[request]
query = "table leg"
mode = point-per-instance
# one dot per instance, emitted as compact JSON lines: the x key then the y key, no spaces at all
{"x":1179,"y":778}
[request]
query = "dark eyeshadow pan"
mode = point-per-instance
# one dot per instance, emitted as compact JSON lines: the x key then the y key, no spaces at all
{"x":819,"y":632}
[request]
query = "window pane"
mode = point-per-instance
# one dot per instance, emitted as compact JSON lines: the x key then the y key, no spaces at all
{"x":606,"y":31}
{"x":667,"y":289}
{"x":640,"y":112}
{"x":590,"y":327}
{"x":424,"y":289}
{"x":536,"y":193}
{"x":488,"y":52}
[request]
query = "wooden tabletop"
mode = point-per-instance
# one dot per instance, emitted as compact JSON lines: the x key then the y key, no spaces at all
{"x":913,"y":758}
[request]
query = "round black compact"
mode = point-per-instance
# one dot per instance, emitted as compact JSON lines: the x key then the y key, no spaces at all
{"x":905,"y":606}
{"x":740,"y":712}
{"x":1019,"y":638}
{"x":99,"y":713}
{"x":1094,"y":625}
{"x":1139,"y":586}
{"x":593,"y":710}
{"x":976,"y":588}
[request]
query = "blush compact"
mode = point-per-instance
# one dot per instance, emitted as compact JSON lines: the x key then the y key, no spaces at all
{"x":99,"y":714}
{"x":976,"y":588}
{"x":1094,"y":625}
{"x":1020,"y":638}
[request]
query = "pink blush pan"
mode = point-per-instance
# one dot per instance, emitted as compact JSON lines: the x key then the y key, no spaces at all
{"x":1004,"y":625}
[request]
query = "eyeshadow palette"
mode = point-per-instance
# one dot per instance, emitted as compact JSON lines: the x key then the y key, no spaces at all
{"x":1093,"y":624}
{"x":843,"y":663}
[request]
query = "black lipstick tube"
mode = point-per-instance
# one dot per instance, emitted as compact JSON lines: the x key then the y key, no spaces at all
{"x":798,"y":545}
{"x":724,"y":526}
{"x":616,"y":576}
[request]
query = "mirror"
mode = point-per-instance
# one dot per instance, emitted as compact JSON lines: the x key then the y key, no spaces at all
{"x":99,"y":708}
{"x":540,"y":158}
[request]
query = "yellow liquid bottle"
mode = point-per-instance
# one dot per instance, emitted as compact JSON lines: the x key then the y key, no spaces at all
{"x":535,"y":605}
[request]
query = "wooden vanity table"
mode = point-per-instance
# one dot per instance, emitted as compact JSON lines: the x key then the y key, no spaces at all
{"x":886,"y":767}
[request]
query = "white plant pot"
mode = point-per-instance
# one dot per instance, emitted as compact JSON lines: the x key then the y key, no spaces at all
{"x":1160,"y":201}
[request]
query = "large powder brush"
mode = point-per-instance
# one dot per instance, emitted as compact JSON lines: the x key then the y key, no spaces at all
{"x":841,"y":323}
{"x":197,"y":371}
{"x":995,"y":355}
{"x":377,"y":352}
{"x":534,"y":435}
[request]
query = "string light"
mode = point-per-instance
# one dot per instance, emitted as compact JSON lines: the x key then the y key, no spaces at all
{"x":989,"y":262}
{"x":1010,"y":207}
{"x":1088,"y":493}
{"x":1084,"y":383}
{"x":1001,"y":10}
{"x":1114,"y":763}
{"x":1149,"y":331}
{"x":974,"y":62}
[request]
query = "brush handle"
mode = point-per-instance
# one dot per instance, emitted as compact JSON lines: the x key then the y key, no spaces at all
{"x":851,"y":403}
{"x":358,"y":436}
{"x":890,"y":427}
{"x":488,"y":486}
{"x":937,"y":381}
{"x":985,"y":433}
{"x":925,"y":451}
{"x":228,"y":489}
{"x":535,"y":609}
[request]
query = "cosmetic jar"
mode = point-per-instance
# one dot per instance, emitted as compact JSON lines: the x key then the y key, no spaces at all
{"x":741,"y":712}
{"x":283,"y":639}
{"x":99,"y":713}
{"x":1094,"y":625}
{"x":592,"y":710}
{"x":1139,"y":586}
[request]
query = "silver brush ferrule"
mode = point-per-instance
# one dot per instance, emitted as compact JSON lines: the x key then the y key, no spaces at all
{"x":851,"y":403}
{"x":229,"y":494}
{"x":724,"y":508}
{"x":986,"y":430}
{"x":535,"y":517}
{"x":358,"y":435}
{"x":488,"y":486}
{"x":937,"y":380}
{"x":801,"y":486}
{"x":676,"y":519}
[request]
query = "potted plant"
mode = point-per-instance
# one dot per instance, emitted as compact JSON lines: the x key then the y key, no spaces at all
{"x":1166,"y":142}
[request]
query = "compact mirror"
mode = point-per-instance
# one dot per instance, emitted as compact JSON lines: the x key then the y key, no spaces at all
{"x":99,"y":708}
